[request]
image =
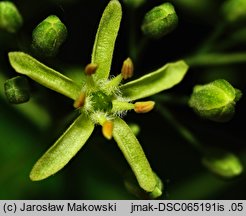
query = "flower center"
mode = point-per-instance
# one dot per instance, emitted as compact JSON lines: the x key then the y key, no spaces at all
{"x":101,"y":101}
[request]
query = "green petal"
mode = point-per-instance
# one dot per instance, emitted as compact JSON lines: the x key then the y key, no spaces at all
{"x":134,"y":154}
{"x":27,"y":65}
{"x":105,"y":39}
{"x":63,"y":150}
{"x":163,"y":78}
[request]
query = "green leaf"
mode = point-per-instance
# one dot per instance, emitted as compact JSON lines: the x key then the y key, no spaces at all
{"x":105,"y":39}
{"x":27,"y":65}
{"x":63,"y":150}
{"x":134,"y":154}
{"x":163,"y":78}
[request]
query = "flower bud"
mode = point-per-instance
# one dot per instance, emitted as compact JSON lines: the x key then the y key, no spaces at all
{"x":48,"y":36}
{"x":17,"y":90}
{"x":234,"y":10}
{"x":215,"y":101}
{"x":160,"y":21}
{"x":10,"y":18}
{"x":223,"y":163}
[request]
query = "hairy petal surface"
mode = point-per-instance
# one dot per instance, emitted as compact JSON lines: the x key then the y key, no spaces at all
{"x":134,"y":154}
{"x":29,"y":66}
{"x":105,"y":39}
{"x":63,"y":150}
{"x":164,"y":78}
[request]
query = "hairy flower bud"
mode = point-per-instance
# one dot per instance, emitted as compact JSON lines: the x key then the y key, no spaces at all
{"x":160,"y":21}
{"x":234,"y":10}
{"x":10,"y":18}
{"x":48,"y":36}
{"x":17,"y":90}
{"x":215,"y":101}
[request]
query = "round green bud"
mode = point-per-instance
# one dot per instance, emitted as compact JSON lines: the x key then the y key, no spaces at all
{"x":48,"y":36}
{"x":10,"y":18}
{"x":134,"y":3}
{"x":234,"y":10}
{"x":215,"y":101}
{"x":101,"y":101}
{"x":17,"y":90}
{"x":160,"y":21}
{"x":224,"y":164}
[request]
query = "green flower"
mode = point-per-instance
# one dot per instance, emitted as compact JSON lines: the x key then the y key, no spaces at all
{"x":101,"y":101}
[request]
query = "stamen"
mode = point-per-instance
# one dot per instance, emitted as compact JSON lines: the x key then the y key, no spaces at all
{"x":80,"y":101}
{"x":107,"y":129}
{"x":127,"y":69}
{"x":144,"y":107}
{"x":90,"y":69}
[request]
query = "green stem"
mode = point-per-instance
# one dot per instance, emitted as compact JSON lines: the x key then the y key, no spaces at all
{"x":183,"y":131}
{"x":213,"y":59}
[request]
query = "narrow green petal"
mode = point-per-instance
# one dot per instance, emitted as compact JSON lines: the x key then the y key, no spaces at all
{"x":63,"y":150}
{"x":163,"y":78}
{"x":134,"y":154}
{"x":105,"y":39}
{"x":27,"y":65}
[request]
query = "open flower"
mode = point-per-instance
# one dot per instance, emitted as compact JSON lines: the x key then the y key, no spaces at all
{"x":101,"y":101}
